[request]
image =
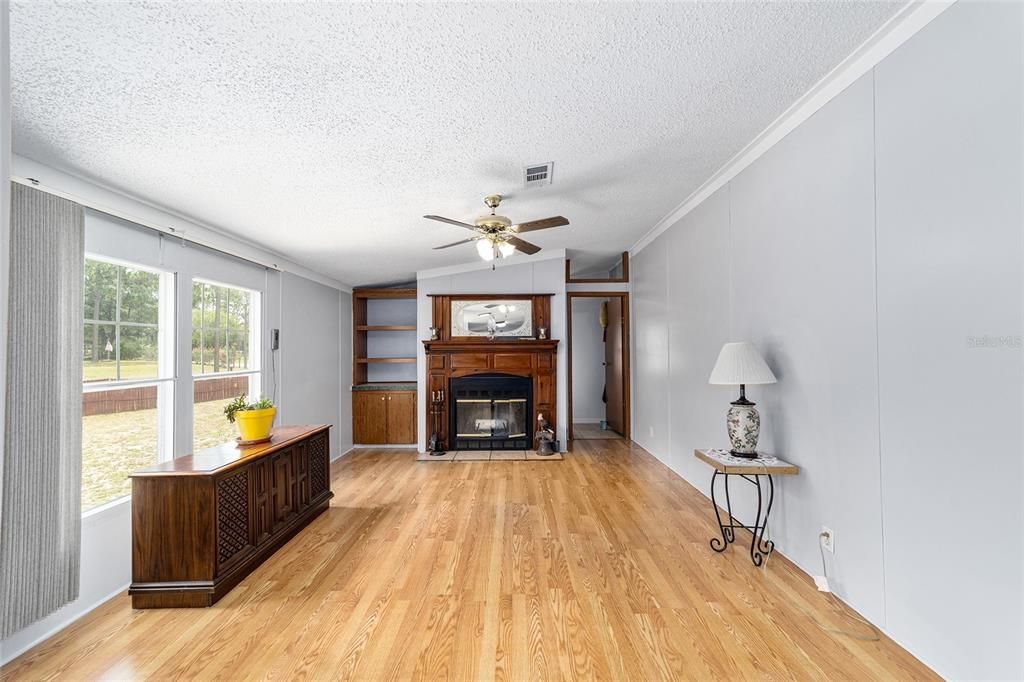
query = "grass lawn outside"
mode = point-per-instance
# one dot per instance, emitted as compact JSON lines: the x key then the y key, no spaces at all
{"x":115,"y":445}
{"x":105,"y":370}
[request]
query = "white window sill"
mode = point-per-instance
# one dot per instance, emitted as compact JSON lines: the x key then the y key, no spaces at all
{"x":113,"y":507}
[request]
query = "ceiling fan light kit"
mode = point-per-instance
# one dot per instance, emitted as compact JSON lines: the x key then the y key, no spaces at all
{"x":496,"y":234}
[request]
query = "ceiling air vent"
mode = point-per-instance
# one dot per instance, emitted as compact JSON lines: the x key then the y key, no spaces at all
{"x":538,"y":174}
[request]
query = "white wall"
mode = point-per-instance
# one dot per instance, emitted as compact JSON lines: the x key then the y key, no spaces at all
{"x":950,"y":151}
{"x":345,"y":369}
{"x":310,"y":364}
{"x":543,"y":274}
{"x":859,"y":254}
{"x":587,"y":360}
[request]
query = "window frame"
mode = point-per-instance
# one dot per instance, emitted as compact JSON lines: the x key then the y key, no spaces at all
{"x":167,"y":377}
{"x":255,"y":343}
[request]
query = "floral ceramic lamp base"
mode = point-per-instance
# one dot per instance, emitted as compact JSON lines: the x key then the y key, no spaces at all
{"x":744,"y":425}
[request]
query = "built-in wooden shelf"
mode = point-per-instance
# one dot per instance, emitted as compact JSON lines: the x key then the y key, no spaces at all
{"x":377,"y":310}
{"x":385,"y":327}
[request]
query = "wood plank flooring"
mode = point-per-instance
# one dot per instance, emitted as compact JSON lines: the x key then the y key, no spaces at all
{"x":595,"y":567}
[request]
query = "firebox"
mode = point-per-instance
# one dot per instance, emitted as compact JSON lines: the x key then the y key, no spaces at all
{"x":491,"y":412}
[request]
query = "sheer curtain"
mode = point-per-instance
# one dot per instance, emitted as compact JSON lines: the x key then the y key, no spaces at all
{"x":40,"y":509}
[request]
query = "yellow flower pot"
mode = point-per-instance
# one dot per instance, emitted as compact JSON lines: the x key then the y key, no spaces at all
{"x":255,"y":425}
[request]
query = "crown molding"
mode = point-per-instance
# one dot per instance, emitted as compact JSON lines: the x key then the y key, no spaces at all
{"x":897,"y":30}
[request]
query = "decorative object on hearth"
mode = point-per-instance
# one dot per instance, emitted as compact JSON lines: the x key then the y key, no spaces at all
{"x":436,"y":412}
{"x":496,"y":235}
{"x":545,"y":437}
{"x":740,"y":364}
{"x":496,"y":317}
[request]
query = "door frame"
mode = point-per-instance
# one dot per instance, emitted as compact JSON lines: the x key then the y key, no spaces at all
{"x":626,"y":370}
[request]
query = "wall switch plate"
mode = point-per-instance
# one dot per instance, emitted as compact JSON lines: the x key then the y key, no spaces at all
{"x":828,"y":539}
{"x":275,"y":339}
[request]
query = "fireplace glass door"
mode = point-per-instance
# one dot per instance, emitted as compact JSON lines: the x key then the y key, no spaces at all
{"x":491,"y":413}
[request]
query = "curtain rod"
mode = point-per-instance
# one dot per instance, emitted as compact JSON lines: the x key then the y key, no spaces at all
{"x":170,"y":231}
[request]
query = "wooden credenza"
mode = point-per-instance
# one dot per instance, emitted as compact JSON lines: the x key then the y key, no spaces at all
{"x":202,"y":523}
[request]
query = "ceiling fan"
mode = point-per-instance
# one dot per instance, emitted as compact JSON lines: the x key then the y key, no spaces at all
{"x":496,"y":235}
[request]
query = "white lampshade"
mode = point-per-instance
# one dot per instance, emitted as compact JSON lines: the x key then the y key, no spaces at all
{"x":740,"y":363}
{"x":506,"y":249}
{"x":485,"y":248}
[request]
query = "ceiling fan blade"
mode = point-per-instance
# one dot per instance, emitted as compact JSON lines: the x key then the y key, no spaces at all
{"x":462,"y":241}
{"x":542,"y":224}
{"x":451,"y":222}
{"x":524,"y":246}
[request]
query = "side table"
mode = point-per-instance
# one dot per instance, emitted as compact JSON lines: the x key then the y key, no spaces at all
{"x":752,"y":471}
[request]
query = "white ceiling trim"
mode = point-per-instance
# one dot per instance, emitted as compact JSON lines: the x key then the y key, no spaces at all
{"x":518,"y":259}
{"x":900,"y":28}
{"x":116,"y":203}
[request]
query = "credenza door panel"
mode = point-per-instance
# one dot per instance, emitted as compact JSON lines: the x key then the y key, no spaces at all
{"x":263,"y":511}
{"x":284,"y":487}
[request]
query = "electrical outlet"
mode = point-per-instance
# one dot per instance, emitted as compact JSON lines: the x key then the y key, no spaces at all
{"x":828,"y":539}
{"x":650,"y":431}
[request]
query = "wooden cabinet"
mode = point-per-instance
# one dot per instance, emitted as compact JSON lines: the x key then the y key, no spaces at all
{"x":401,"y":417}
{"x":202,"y":523}
{"x":383,"y":417}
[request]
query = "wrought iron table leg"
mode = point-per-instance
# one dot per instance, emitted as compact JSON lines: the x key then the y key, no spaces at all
{"x":730,"y":530}
{"x":759,"y":548}
{"x":724,"y":541}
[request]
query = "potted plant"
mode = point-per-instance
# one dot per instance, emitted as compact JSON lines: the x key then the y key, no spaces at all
{"x":254,"y":419}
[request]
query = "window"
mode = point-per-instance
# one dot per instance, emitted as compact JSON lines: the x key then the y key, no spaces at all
{"x":127,"y":390}
{"x":225,"y":357}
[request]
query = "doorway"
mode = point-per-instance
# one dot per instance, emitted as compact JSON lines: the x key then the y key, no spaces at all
{"x":598,"y":348}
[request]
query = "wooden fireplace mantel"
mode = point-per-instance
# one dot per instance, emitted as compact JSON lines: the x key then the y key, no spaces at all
{"x":450,"y":357}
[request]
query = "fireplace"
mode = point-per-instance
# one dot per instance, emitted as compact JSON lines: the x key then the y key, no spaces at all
{"x":491,"y":412}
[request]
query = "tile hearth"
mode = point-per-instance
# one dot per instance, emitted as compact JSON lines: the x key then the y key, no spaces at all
{"x":486,"y":456}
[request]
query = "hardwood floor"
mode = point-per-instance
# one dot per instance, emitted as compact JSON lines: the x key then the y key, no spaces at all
{"x":596,"y":567}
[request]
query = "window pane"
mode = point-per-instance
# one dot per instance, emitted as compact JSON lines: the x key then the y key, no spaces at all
{"x":119,"y":436}
{"x":220,"y":329}
{"x":139,"y":353}
{"x":98,"y":355}
{"x":100,"y":290}
{"x":240,"y":349}
{"x":211,"y":396}
{"x":140,"y":296}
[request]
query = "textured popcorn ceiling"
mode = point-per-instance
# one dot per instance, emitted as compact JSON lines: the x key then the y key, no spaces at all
{"x":324,"y":131}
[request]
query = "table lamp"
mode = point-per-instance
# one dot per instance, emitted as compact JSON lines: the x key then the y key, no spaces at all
{"x":740,"y":363}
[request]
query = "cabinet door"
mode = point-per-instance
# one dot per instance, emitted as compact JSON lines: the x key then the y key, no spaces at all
{"x":300,"y":455}
{"x":263,"y":493}
{"x":401,"y":417}
{"x":319,"y":465}
{"x":284,"y":487}
{"x":233,"y":517}
{"x":369,"y":417}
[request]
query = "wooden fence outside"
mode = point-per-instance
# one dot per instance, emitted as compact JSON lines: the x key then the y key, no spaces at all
{"x":144,"y":397}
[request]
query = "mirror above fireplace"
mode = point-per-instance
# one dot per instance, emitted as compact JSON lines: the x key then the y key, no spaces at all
{"x":512,"y":317}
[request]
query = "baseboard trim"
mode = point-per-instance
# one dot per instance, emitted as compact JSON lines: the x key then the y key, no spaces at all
{"x":7,"y":658}
{"x":404,"y":446}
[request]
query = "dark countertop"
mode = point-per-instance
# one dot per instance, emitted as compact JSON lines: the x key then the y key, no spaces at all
{"x":384,"y":386}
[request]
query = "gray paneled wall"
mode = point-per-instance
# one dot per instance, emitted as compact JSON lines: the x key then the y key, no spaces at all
{"x":895,"y":336}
